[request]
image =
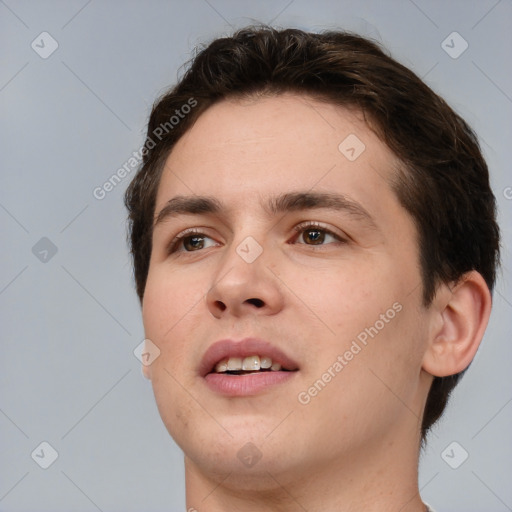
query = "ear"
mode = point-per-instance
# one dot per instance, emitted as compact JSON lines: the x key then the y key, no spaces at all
{"x":460,"y":317}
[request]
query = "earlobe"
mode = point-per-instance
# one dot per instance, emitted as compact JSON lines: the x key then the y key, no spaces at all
{"x":461,"y":319}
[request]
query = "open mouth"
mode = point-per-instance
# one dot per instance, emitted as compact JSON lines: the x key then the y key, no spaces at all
{"x":249,"y":365}
{"x":246,"y":368}
{"x":247,"y":375}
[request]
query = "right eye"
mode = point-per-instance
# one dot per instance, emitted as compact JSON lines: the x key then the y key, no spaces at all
{"x":190,"y":240}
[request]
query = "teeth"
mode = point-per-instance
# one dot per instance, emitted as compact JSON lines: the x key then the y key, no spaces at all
{"x":265,"y":362}
{"x":250,"y":364}
{"x":222,"y":366}
{"x":234,"y":363}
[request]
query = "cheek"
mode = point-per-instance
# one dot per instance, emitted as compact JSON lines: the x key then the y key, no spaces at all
{"x":174,"y":406}
{"x":344,"y":298}
{"x":364,"y":312}
{"x":373,"y":385}
{"x":168,"y":298}
{"x":170,"y":309}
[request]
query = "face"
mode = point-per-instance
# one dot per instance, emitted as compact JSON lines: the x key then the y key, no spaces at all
{"x":279,"y":236}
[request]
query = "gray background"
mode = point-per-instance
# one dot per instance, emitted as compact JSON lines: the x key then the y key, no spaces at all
{"x":70,"y":322}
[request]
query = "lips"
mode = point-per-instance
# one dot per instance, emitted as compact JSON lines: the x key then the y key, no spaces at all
{"x":225,"y":349}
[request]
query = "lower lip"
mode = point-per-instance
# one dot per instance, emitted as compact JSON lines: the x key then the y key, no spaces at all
{"x":245,"y":385}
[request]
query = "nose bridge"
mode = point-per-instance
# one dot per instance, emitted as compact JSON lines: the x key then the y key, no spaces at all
{"x":250,"y":240}
{"x":243,"y":263}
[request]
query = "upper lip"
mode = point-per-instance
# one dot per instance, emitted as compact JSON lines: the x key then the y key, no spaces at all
{"x":224,"y":349}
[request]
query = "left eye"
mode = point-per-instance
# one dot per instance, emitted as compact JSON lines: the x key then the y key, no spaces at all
{"x":316,"y":235}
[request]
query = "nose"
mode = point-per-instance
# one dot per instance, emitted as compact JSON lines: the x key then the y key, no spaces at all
{"x":242,"y":288}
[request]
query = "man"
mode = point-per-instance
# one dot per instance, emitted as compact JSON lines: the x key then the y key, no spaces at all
{"x":314,"y":244}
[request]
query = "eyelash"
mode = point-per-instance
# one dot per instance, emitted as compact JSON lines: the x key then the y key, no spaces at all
{"x":301,"y":228}
{"x":309,"y":225}
{"x":184,"y":234}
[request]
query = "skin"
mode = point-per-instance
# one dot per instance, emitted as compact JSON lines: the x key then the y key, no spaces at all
{"x":355,"y":445}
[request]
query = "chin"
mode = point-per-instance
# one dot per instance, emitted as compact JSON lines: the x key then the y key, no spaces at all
{"x":245,"y":469}
{"x":244,"y":446}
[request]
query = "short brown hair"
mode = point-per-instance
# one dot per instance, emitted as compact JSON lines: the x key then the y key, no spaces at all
{"x":443,"y":182}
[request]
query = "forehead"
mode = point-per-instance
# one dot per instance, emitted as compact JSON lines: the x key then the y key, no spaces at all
{"x":245,"y":149}
{"x":276,"y":122}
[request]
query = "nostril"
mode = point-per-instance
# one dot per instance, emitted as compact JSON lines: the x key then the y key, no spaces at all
{"x":221,"y":305}
{"x":257,"y":302}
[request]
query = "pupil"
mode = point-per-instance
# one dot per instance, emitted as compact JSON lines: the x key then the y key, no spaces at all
{"x":315,"y":236}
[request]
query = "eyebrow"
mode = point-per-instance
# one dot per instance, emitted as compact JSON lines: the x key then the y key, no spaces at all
{"x":187,"y":205}
{"x":289,"y":202}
